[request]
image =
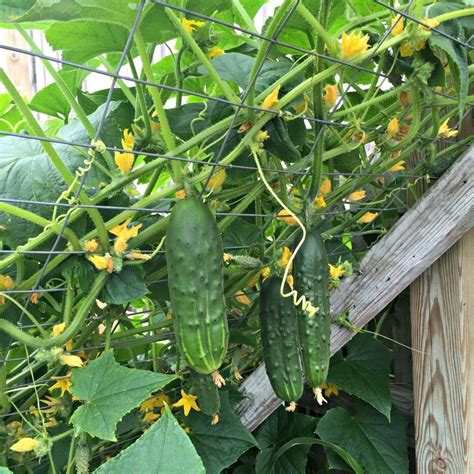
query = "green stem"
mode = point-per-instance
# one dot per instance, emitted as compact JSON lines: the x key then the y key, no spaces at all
{"x":319,"y":28}
{"x":179,"y":75}
{"x":4,"y":400}
{"x":454,"y":15}
{"x":245,"y":16}
{"x":62,"y":435}
{"x":68,"y":301}
{"x":159,"y":108}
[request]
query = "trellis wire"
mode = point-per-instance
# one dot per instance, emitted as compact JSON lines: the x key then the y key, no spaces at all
{"x":115,"y":76}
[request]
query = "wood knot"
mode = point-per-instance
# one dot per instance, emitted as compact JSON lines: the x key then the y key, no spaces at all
{"x":441,"y":463}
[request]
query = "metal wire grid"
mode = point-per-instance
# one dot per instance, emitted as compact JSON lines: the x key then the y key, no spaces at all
{"x":115,"y":76}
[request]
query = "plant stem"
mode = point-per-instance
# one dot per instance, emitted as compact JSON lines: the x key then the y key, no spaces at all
{"x":179,"y":75}
{"x":453,"y":15}
{"x":245,"y":16}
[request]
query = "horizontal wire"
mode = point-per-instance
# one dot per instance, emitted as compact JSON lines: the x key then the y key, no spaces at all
{"x":421,"y":23}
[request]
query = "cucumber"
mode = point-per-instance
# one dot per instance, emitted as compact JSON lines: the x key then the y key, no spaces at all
{"x":207,"y":392}
{"x":279,"y":142}
{"x":311,"y":276}
{"x":194,"y":256}
{"x":279,"y":341}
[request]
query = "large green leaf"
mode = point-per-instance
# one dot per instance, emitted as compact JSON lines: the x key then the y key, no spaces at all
{"x":25,"y":169}
{"x":12,"y":9}
{"x":377,"y":445}
{"x":277,"y":430}
{"x":364,"y":372}
{"x":124,"y":286}
{"x":220,"y":445}
{"x":109,"y":392}
{"x":164,"y":448}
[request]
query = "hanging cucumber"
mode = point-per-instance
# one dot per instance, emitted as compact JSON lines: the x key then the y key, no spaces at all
{"x":311,"y":275}
{"x":279,"y":340}
{"x":208,"y":395}
{"x":196,"y":283}
{"x":279,"y":142}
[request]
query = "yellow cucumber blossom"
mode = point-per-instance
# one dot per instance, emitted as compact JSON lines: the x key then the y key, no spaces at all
{"x":330,"y":389}
{"x":399,"y":23}
{"x":241,"y":297}
{"x":128,"y":140}
{"x":319,"y":202}
{"x":336,"y":271}
{"x":357,"y":195}
{"x":217,"y":180}
{"x":325,"y":187}
{"x":62,"y":383}
{"x":188,"y":402}
{"x":58,"y":329}
{"x":393,"y":127}
{"x":266,"y":272}
{"x":124,"y":233}
{"x":91,"y":245}
{"x":428,"y":24}
{"x":353,"y":44}
{"x":24,"y":445}
{"x":124,"y":161}
{"x":287,"y":218}
{"x":102,"y":262}
{"x":181,"y":194}
{"x":445,"y":132}
{"x":71,"y":360}
{"x":330,"y":95}
{"x":215,"y":52}
{"x":285,"y":258}
{"x":367,"y":217}
{"x":399,"y":166}
{"x":271,"y":99}
{"x":191,"y":25}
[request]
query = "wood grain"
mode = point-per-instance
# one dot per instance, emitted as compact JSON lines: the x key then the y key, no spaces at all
{"x":442,"y":304}
{"x":415,"y":242}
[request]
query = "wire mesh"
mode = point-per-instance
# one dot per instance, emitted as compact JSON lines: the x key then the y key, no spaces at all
{"x":319,"y":125}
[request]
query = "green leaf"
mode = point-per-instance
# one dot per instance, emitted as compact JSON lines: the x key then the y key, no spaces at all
{"x":377,"y":445}
{"x":165,"y":447}
{"x":457,"y":59}
{"x":109,"y":392}
{"x":124,"y":286}
{"x":241,"y":233}
{"x":10,"y":10}
{"x":220,"y":445}
{"x":25,"y":168}
{"x":364,"y":372}
{"x":277,"y":430}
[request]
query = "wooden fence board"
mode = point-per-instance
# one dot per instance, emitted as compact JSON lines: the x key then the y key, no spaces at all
{"x":415,"y":242}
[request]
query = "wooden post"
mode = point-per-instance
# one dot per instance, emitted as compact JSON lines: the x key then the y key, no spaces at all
{"x":442,"y":311}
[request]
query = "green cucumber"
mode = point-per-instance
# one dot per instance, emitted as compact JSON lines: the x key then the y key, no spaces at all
{"x":279,"y":341}
{"x":194,"y":256}
{"x":207,"y":392}
{"x":311,"y":276}
{"x":279,"y":142}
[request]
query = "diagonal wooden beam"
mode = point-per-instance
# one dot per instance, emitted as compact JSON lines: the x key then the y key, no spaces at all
{"x":414,"y":243}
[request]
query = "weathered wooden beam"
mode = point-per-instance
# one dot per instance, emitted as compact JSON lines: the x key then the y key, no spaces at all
{"x":442,"y":310}
{"x":418,"y":239}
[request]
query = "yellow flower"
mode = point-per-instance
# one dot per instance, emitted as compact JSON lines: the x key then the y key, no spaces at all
{"x":227,"y":257}
{"x":404,"y":98}
{"x":330,"y":389}
{"x":35,"y":297}
{"x":25,"y":445}
{"x":353,"y":44}
{"x":290,"y":281}
{"x":241,"y":297}
{"x":325,"y":187}
{"x":102,"y":262}
{"x":150,"y":417}
{"x":399,"y":25}
{"x":181,"y":194}
{"x":393,"y":127}
{"x":158,"y":401}
{"x":91,"y":245}
{"x":138,"y":256}
{"x":188,"y":402}
{"x":63,"y":384}
{"x":445,"y":132}
{"x":285,"y":258}
{"x":271,"y":99}
{"x":262,"y":135}
{"x":123,"y":230}
{"x":6,"y":282}
{"x":428,"y":24}
{"x":120,"y":245}
{"x":265,"y":272}
{"x":356,"y":195}
{"x":336,"y":272}
{"x":285,"y":217}
{"x":217,"y":180}
{"x":124,"y":161}
{"x":367,"y":217}
{"x":406,"y":49}
{"x":58,"y":329}
{"x":128,"y":140}
{"x":399,"y":166}
{"x":71,"y":360}
{"x":319,"y":202}
{"x":330,"y":95}
{"x":215,"y":52}
{"x":254,"y":280}
{"x":191,"y":25}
